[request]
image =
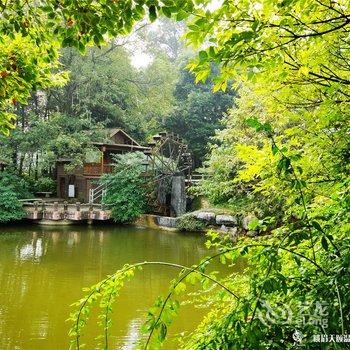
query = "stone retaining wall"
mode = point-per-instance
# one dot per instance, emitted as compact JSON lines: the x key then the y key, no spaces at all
{"x":233,"y":225}
{"x":156,"y":221}
{"x":224,"y":223}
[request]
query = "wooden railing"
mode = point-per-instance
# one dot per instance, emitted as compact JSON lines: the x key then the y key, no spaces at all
{"x":96,"y":194}
{"x":97,"y":169}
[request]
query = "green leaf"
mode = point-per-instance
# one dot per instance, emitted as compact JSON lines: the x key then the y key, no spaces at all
{"x":166,"y":11}
{"x":181,"y":15}
{"x":152,"y":13}
{"x":253,"y":122}
{"x":163,"y":332}
{"x":212,"y":53}
{"x":180,"y":288}
{"x":244,"y":250}
{"x":202,"y":56}
{"x":317,"y":226}
{"x":324,"y":243}
{"x":274,"y":149}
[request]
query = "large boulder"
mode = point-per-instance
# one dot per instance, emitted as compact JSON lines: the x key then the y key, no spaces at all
{"x":206,"y":216}
{"x":166,"y":221}
{"x":227,"y":220}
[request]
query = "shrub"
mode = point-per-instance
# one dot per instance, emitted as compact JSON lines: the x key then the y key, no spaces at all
{"x":45,"y":184}
{"x":20,"y":185}
{"x":190,"y":223}
{"x":10,"y":206}
{"x":126,"y":190}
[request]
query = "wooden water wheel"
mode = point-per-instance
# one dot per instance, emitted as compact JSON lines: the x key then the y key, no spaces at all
{"x":168,"y":156}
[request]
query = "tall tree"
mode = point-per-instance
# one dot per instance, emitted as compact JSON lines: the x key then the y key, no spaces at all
{"x":32,"y":33}
{"x":103,"y":84}
{"x":197,"y":113}
{"x":164,"y":38}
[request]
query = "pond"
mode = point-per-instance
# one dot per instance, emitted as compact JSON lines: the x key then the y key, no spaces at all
{"x":43,"y":270}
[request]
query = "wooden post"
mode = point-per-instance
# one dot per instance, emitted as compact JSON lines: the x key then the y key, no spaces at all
{"x":36,"y":211}
{"x":90,"y":214}
{"x":55,"y":213}
{"x":102,"y":158}
{"x":77,"y":214}
{"x":43,"y":209}
{"x":65,"y":209}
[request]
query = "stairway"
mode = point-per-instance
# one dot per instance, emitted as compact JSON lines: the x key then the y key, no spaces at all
{"x":96,"y":194}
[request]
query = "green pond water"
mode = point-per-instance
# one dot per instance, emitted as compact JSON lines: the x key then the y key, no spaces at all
{"x":43,"y":271}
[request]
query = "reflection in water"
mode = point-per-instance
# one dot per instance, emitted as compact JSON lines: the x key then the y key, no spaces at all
{"x":32,"y":251}
{"x":133,"y":334}
{"x":73,"y":238}
{"x":43,"y":270}
{"x":40,"y":326}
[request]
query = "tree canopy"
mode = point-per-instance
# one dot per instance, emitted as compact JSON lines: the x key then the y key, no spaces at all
{"x":197,"y":109}
{"x":282,"y":154}
{"x":33,"y":32}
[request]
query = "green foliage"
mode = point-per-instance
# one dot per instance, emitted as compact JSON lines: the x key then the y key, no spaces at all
{"x":164,"y":41}
{"x":104,"y":293}
{"x":248,"y":39}
{"x":35,"y":148}
{"x":24,"y":67}
{"x":44,"y":184}
{"x":197,"y":113}
{"x":104,"y":86}
{"x":158,"y":84}
{"x":20,"y":185}
{"x":291,"y":60}
{"x":31,"y":35}
{"x":104,"y":90}
{"x":189,"y":223}
{"x":126,"y":188}
{"x":10,"y":207}
{"x":158,"y":318}
{"x":286,"y":147}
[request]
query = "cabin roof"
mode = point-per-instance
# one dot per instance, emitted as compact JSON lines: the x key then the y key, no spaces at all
{"x":113,"y":146}
{"x":113,"y":131}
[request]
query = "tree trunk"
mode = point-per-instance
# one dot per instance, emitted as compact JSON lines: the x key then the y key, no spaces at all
{"x":36,"y":166}
{"x":20,"y":165}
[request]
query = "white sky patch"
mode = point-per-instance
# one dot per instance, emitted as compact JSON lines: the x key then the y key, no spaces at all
{"x":140,"y":59}
{"x":258,"y":6}
{"x":214,"y":5}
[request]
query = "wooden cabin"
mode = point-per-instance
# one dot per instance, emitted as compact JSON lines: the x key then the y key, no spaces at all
{"x":77,"y":183}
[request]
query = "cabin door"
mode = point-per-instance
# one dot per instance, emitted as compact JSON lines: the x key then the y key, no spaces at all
{"x":63,"y":190}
